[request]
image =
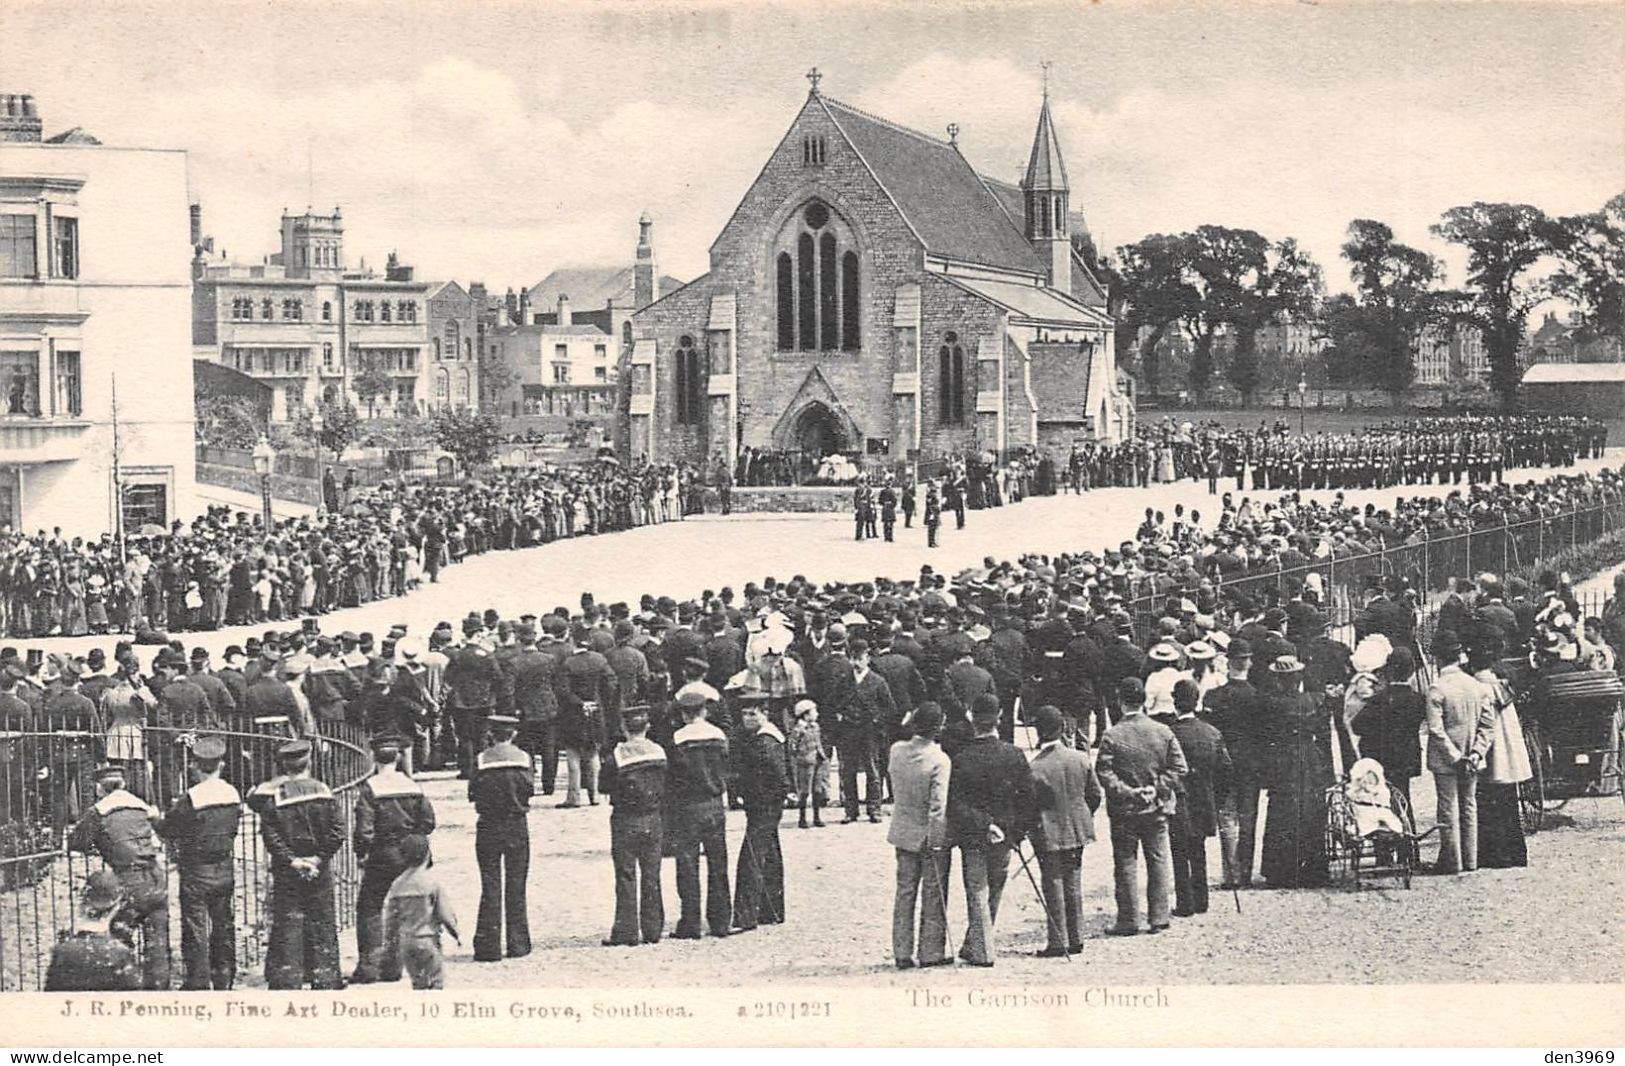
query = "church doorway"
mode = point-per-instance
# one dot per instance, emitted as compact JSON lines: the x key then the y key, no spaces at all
{"x":819,"y":432}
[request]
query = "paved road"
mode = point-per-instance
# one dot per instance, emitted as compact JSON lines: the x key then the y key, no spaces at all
{"x":684,"y":558}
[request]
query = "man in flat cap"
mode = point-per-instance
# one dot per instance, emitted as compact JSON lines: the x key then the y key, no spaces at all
{"x":389,"y":807}
{"x":201,"y":829}
{"x":120,"y":828}
{"x":302,"y":830}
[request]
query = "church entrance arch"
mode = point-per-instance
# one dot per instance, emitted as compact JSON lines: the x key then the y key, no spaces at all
{"x":819,"y":431}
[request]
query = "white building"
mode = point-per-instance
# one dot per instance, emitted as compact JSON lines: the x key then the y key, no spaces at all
{"x":94,"y":289}
{"x":554,"y":355}
{"x":1451,"y":355}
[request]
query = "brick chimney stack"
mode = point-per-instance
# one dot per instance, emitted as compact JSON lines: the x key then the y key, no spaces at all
{"x":19,"y":122}
{"x":564,"y":310}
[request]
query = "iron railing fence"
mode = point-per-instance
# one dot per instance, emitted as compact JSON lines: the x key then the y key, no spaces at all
{"x":46,"y":784}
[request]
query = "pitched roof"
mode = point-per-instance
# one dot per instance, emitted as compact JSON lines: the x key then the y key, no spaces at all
{"x":949,"y":205}
{"x":591,"y":287}
{"x":1031,"y":303}
{"x":1045,"y":167}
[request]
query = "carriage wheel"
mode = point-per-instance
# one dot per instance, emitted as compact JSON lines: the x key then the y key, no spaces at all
{"x":1532,"y":793}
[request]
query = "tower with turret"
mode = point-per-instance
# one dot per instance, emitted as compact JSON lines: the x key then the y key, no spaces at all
{"x":1045,"y":198}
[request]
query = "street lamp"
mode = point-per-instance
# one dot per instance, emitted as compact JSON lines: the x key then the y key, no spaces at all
{"x":264,"y":460}
{"x":316,"y":426}
{"x":1303,"y":399}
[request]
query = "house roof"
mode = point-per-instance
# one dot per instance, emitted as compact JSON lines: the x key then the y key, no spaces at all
{"x":591,"y":287}
{"x":1574,"y":373}
{"x":1031,"y":303}
{"x":949,"y":205}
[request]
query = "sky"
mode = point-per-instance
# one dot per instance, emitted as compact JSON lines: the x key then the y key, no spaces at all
{"x":497,"y":141}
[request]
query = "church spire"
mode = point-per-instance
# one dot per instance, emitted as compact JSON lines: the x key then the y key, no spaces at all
{"x":1045,"y":195}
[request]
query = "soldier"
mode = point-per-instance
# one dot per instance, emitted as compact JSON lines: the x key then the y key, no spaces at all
{"x":888,"y":509}
{"x":862,"y":510}
{"x":91,"y":958}
{"x":908,"y":504}
{"x":698,"y":776}
{"x":761,"y":785}
{"x":500,"y":789}
{"x":201,"y":828}
{"x":302,"y":829}
{"x":390,"y":807}
{"x":119,"y":828}
{"x":634,"y":778}
{"x":474,"y":690}
{"x":933,"y":514}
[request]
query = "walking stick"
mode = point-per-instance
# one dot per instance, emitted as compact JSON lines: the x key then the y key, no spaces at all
{"x":1049,"y":916}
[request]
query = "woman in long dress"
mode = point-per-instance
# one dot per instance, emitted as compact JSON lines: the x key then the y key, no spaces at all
{"x":1300,"y":727}
{"x":1505,"y":761}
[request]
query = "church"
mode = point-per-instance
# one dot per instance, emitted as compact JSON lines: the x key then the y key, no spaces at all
{"x":874,"y":295}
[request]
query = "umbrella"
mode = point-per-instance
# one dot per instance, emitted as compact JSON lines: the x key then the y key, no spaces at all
{"x":151,"y":529}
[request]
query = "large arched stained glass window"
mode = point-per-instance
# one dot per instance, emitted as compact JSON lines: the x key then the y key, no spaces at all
{"x":951,"y":381}
{"x":786,"y":302}
{"x":851,"y":312}
{"x":816,"y":284}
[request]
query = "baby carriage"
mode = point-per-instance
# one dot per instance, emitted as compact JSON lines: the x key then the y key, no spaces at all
{"x":1370,"y":831}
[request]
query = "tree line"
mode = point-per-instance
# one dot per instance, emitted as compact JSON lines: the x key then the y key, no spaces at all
{"x":1220,"y":282}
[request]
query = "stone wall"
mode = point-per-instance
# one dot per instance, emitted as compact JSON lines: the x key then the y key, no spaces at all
{"x":283,"y":487}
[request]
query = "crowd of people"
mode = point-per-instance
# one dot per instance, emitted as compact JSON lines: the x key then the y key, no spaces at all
{"x":677,"y":710}
{"x":224,"y":569}
{"x":1413,"y":451}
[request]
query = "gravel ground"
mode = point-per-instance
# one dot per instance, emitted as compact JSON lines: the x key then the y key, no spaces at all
{"x":1556,"y":921}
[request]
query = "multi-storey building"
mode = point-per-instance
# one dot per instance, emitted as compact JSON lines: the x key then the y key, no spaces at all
{"x":95,"y":374}
{"x":456,"y":338}
{"x":1451,"y":354}
{"x":313,"y":331}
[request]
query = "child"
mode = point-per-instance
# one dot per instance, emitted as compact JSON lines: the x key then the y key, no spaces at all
{"x":415,"y":909}
{"x":806,"y":753}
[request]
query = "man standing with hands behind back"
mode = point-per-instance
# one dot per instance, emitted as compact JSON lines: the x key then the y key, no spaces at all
{"x":1140,"y":764}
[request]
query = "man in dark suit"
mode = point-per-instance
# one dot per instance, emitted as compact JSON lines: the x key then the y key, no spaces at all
{"x":1234,"y":709}
{"x":859,"y":741}
{"x":991,"y":806}
{"x":1140,"y":767}
{"x":1196,"y":814}
{"x":1067,"y":796}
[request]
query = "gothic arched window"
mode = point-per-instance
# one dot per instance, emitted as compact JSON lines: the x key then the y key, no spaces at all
{"x":816,"y":284}
{"x":690,"y":388}
{"x":951,"y":381}
{"x":327,"y":310}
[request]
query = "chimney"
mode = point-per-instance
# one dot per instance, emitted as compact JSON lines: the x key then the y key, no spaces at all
{"x":510,"y":304}
{"x":524,"y":308}
{"x":645,"y":281}
{"x":19,"y":122}
{"x":196,"y":211}
{"x":564,"y":309}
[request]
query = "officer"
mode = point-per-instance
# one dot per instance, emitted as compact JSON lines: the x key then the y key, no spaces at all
{"x":698,"y":776}
{"x":390,"y":807}
{"x":300,"y":823}
{"x":761,"y":785}
{"x":201,"y":829}
{"x":888,"y":509}
{"x":634,"y":778}
{"x":908,"y":504}
{"x":500,"y":790}
{"x":119,"y":828}
{"x":91,"y":958}
{"x":933,"y":514}
{"x":475,"y":688}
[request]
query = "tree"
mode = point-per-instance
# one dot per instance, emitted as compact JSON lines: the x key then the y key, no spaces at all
{"x":372,"y":384}
{"x":1244,"y":281}
{"x":1591,"y":266}
{"x":496,"y":378}
{"x":229,"y":422}
{"x":1504,"y":243}
{"x":1155,"y":294}
{"x":341,"y":427}
{"x":1397,"y":301}
{"x":469,"y":435}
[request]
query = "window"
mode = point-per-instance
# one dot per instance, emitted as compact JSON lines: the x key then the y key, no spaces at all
{"x":468,"y":345}
{"x":600,"y":373}
{"x":17,"y":252}
{"x":690,"y":383}
{"x":600,"y":351}
{"x":383,"y":311}
{"x":293,"y":310}
{"x":242,"y":309}
{"x":363,"y":310}
{"x":406,"y":311}
{"x":69,"y":400}
{"x":327,"y":357}
{"x":442,"y":386}
{"x":266,"y":308}
{"x":453,"y":332}
{"x":406,"y":392}
{"x":437,"y":354}
{"x":951,"y":381}
{"x":19,"y":377}
{"x":65,"y":247}
{"x":561,"y":351}
{"x":464,"y":385}
{"x":561,"y":373}
{"x":816,"y":282}
{"x":813,"y":150}
{"x":327,"y":310}
{"x":146,"y":505}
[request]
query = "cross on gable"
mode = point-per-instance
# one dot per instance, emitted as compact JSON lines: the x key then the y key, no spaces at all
{"x":814,"y":76}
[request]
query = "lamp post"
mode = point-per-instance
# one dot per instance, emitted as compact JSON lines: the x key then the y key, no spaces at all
{"x":316,"y":426}
{"x":264,"y":460}
{"x":1303,"y":399}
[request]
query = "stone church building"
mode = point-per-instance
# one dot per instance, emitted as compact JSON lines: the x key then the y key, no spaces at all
{"x":874,"y":294}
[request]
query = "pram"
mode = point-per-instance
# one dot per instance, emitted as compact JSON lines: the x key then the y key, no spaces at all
{"x":1370,"y":831}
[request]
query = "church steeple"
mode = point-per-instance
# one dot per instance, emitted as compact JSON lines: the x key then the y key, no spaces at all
{"x":1045,"y":196}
